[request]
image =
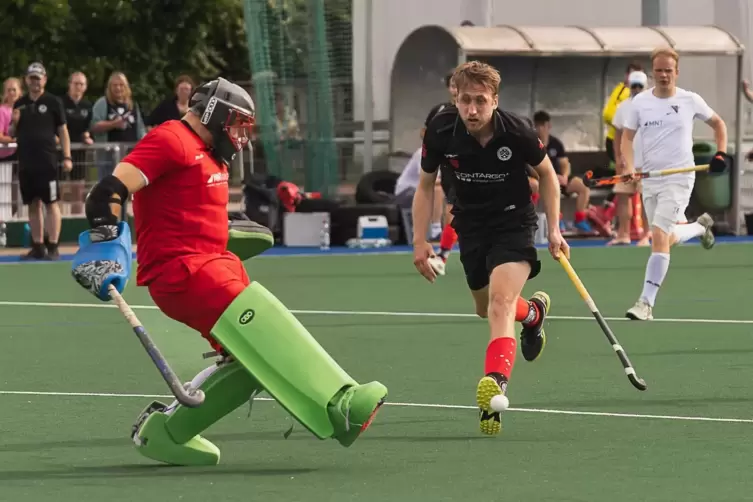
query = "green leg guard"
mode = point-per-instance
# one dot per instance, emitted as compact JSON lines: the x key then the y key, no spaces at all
{"x":248,"y":239}
{"x":292,"y":367}
{"x":174,"y":438}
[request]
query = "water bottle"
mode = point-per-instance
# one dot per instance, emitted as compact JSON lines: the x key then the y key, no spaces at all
{"x":3,"y":234}
{"x":324,"y":240}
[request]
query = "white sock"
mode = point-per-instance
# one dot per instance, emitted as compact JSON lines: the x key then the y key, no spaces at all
{"x":686,"y":232}
{"x":436,"y":228}
{"x":195,"y":383}
{"x":656,"y":270}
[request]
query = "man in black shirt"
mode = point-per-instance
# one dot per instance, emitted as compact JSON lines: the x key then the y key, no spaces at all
{"x":38,"y":118}
{"x":569,"y":183}
{"x":489,"y":151}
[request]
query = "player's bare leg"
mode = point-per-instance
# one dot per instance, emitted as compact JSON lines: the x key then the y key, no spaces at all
{"x":501,"y":303}
{"x":583,"y":193}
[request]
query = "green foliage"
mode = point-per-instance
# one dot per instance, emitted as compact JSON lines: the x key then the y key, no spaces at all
{"x":154,"y":41}
{"x":151,"y":41}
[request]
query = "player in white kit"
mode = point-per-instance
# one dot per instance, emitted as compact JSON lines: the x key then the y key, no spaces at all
{"x":665,"y":114}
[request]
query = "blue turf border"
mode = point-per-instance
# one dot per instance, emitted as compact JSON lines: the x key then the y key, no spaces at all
{"x":344,"y":251}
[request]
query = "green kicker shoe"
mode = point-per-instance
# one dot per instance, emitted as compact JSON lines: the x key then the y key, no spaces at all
{"x":154,"y":442}
{"x":355,"y":410}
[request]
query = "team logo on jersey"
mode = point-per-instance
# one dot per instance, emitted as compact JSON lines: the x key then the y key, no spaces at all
{"x":504,"y":154}
{"x":42,"y":108}
{"x":218,"y":179}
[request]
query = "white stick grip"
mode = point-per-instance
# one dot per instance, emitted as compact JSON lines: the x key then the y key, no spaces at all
{"x":125,"y":309}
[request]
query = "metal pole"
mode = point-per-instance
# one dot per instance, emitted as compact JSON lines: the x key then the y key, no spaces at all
{"x":489,"y":14}
{"x":739,"y":155}
{"x":654,"y":12}
{"x":368,"y":95}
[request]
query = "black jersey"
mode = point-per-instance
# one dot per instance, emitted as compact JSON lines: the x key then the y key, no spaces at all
{"x":37,"y":128}
{"x":490,"y":183}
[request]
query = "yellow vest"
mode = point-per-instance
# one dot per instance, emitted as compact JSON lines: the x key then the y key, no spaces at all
{"x":619,"y":94}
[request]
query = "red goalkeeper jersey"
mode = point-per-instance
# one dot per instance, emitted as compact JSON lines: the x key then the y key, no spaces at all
{"x":183,"y":209}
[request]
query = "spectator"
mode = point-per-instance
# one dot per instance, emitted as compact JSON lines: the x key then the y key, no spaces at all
{"x":39,"y":119}
{"x":78,"y":115}
{"x":11,"y":93}
{"x":619,"y":94}
{"x":287,"y":120}
{"x":174,"y":107}
{"x":569,"y":183}
{"x":116,"y":118}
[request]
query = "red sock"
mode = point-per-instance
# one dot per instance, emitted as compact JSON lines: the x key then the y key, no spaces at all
{"x":526,"y":312}
{"x":580,"y":216}
{"x":449,"y":236}
{"x":500,"y":356}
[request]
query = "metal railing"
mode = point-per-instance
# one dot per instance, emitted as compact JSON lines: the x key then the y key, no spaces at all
{"x":92,"y":162}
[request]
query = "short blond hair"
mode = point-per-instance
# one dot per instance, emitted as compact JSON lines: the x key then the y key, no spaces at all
{"x":476,"y":72}
{"x":667,"y":52}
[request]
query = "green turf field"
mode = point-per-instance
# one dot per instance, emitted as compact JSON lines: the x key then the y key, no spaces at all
{"x":74,"y":378}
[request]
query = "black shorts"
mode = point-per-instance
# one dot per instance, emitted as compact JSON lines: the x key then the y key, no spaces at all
{"x":38,"y":184}
{"x":480,"y":253}
{"x":610,"y":149}
{"x":563,"y":189}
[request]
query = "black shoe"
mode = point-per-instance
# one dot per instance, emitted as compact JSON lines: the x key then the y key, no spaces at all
{"x":36,"y":253}
{"x":52,"y":251}
{"x":532,"y":336}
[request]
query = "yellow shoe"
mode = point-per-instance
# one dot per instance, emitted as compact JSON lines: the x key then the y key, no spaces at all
{"x":491,"y":385}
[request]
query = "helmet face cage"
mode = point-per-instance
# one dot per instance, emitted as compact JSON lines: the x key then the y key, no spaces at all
{"x":239,"y":127}
{"x":230,"y":125}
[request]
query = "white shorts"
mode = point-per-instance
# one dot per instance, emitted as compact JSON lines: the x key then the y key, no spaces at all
{"x":665,"y":204}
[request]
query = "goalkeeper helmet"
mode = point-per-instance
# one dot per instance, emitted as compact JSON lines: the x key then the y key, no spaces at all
{"x":228,"y":113}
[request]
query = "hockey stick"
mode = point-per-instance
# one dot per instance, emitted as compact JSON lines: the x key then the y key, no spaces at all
{"x":627,"y":178}
{"x":637,"y":382}
{"x":192,"y":399}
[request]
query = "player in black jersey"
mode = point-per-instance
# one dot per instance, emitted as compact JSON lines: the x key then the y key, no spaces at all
{"x":487,"y":152}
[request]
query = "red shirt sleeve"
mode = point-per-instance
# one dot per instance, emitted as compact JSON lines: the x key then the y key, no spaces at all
{"x":159,"y":152}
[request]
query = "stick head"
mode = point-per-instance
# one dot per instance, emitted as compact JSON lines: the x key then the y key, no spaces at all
{"x":638,"y":383}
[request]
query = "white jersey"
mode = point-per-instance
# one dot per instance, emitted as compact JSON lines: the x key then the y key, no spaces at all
{"x":666,"y":126}
{"x":410,"y":175}
{"x":620,"y":117}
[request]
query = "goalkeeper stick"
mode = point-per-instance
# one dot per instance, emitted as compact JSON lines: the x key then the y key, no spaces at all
{"x":626,"y":178}
{"x":637,"y":382}
{"x":192,"y":398}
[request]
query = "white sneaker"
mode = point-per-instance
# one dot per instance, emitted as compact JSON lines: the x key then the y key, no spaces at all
{"x":437,"y":265}
{"x":641,"y":311}
{"x":707,"y":238}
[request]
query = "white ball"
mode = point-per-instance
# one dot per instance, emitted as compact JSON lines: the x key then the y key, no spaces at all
{"x":500,"y":403}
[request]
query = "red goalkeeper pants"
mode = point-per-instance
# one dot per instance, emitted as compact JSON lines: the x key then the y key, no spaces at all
{"x":196,"y":290}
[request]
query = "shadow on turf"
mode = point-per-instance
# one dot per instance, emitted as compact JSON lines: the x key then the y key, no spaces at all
{"x":146,"y":471}
{"x":299,"y":434}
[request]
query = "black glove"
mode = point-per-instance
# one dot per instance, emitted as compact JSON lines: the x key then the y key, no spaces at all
{"x":720,"y":163}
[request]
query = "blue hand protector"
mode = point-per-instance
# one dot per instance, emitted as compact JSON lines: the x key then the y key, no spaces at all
{"x":100,"y":261}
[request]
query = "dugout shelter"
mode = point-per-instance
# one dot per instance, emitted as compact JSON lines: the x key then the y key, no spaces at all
{"x":569,"y":71}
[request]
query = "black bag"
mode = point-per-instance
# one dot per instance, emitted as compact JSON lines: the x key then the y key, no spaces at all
{"x":261,"y":202}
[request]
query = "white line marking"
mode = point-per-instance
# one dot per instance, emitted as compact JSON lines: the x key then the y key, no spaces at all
{"x":414,"y":405}
{"x":372,"y":313}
